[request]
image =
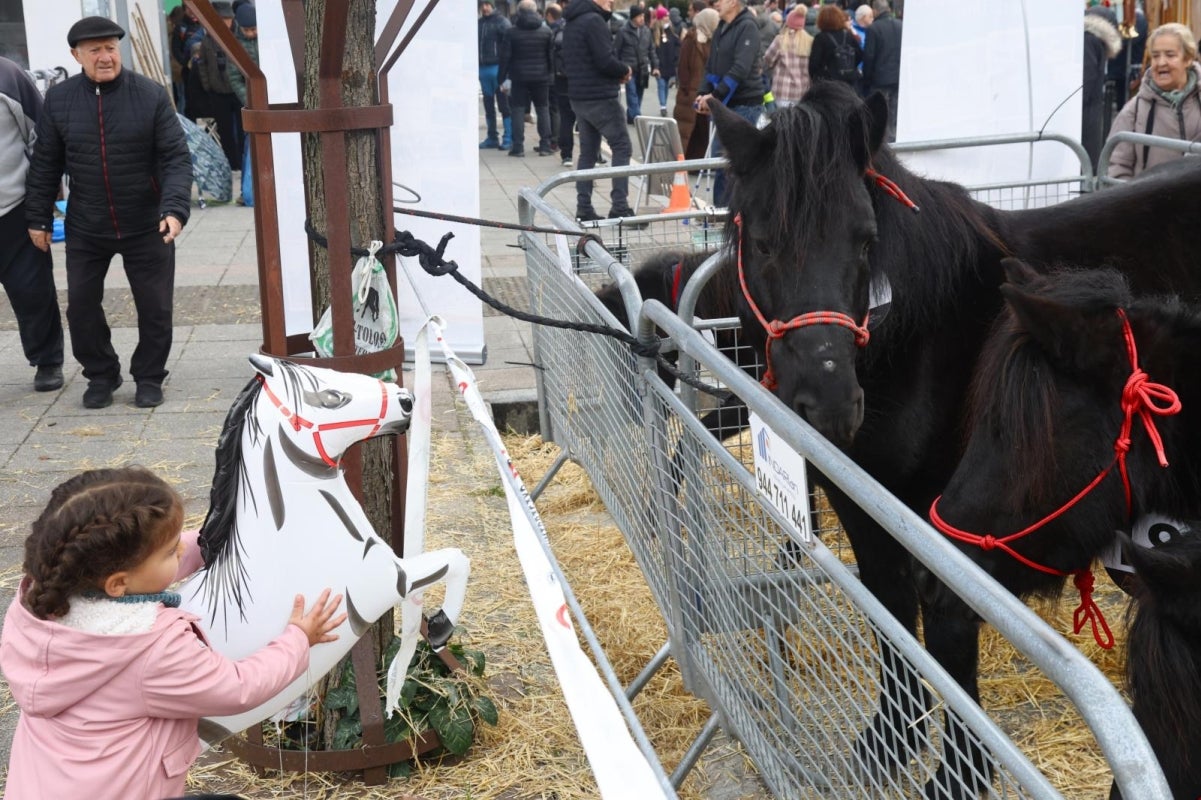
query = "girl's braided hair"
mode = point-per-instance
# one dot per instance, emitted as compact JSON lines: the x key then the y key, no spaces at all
{"x":97,"y":523}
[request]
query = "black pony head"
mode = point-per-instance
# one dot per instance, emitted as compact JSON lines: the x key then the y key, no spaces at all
{"x":1047,"y":410}
{"x":803,"y":226}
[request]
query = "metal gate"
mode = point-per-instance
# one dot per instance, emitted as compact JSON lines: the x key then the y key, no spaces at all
{"x":775,"y":632}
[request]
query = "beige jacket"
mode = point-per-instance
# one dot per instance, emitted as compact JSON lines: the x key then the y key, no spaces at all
{"x":1149,"y":113}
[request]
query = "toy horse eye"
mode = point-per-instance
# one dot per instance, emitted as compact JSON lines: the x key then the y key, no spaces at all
{"x":327,"y":398}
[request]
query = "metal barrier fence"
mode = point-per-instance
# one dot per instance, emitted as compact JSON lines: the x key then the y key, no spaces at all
{"x":1139,"y":140}
{"x":774,"y":632}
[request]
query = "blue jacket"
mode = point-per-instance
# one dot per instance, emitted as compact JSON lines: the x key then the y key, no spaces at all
{"x":593,"y":72}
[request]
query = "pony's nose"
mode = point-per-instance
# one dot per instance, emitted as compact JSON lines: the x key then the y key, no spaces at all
{"x":839,"y":424}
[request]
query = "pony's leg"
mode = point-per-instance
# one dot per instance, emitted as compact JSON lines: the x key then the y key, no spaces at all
{"x":897,"y":728}
{"x":952,"y":633}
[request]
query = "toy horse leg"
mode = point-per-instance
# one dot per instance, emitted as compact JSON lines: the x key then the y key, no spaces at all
{"x":898,"y":726}
{"x":417,"y":573}
{"x":952,"y":633}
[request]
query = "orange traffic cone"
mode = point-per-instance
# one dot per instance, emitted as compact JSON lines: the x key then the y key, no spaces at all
{"x":680,"y":200}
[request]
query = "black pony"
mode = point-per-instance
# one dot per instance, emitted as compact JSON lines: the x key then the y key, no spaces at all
{"x":1078,"y":387}
{"x":820,"y":214}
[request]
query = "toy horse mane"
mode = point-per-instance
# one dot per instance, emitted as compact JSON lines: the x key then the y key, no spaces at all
{"x":219,"y":535}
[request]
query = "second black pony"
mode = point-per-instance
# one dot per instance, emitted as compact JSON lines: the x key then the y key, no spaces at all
{"x":821,"y":211}
{"x":1084,"y":409}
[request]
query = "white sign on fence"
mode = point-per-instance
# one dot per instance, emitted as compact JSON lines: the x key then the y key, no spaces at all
{"x":780,"y":476}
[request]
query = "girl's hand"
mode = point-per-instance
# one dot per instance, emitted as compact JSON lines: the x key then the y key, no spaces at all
{"x":320,"y":620}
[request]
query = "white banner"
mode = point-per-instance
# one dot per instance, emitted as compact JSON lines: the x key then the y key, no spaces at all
{"x":1021,"y":72}
{"x":620,"y":768}
{"x":434,"y":90}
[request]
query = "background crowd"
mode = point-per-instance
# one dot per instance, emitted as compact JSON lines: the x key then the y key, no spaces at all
{"x":756,"y":56}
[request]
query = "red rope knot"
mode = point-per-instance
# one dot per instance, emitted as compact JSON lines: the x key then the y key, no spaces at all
{"x":1149,"y":400}
{"x":988,"y":542}
{"x":776,"y":329}
{"x":1088,"y":612}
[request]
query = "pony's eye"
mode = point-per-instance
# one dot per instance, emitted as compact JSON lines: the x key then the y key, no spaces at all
{"x":761,"y":247}
{"x":866,"y":249}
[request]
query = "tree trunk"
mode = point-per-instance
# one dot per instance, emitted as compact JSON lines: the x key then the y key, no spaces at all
{"x":366,"y":223}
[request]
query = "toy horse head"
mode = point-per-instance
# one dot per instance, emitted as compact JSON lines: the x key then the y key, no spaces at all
{"x":320,"y":412}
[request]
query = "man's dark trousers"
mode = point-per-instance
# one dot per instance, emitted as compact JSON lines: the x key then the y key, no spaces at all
{"x":597,"y":118}
{"x":27,"y":275}
{"x":150,"y":270}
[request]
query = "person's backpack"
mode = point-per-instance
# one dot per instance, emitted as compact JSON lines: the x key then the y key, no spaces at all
{"x":846,"y":68}
{"x":558,"y":64}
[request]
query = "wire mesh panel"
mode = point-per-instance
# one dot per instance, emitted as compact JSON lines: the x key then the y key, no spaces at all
{"x":826,"y":690}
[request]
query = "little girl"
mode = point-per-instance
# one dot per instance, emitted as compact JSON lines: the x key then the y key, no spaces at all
{"x":111,"y":677}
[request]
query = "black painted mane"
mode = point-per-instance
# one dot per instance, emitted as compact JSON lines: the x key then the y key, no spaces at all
{"x":219,"y":535}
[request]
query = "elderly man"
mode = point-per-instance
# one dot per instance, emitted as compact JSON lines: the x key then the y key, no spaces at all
{"x":115,"y":133}
{"x":733,"y":74}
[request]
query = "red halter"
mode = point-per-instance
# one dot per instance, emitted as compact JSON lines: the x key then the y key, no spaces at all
{"x":297,"y":422}
{"x":776,"y":329}
{"x":1139,"y":397}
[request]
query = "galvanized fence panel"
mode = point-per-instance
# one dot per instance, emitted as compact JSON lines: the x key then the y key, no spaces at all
{"x":777,"y":635}
{"x":1139,"y":140}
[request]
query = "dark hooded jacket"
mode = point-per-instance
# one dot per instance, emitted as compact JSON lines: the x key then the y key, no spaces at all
{"x":525,"y":54}
{"x":593,"y":72}
{"x":124,"y":150}
{"x":734,"y":72}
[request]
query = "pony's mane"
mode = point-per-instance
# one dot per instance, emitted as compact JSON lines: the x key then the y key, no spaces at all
{"x":803,"y":181}
{"x":1013,"y":387}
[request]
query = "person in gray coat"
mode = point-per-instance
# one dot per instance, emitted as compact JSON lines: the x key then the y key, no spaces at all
{"x":26,"y":272}
{"x":633,"y":47}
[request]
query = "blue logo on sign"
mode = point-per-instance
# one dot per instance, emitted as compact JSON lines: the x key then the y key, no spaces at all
{"x":764,"y":445}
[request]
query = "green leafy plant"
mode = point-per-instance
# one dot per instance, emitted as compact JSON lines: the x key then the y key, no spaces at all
{"x":433,"y":697}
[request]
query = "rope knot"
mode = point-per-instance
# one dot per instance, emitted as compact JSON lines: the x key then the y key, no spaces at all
{"x":1088,"y":612}
{"x":776,"y":329}
{"x":988,"y":542}
{"x":1122,"y":445}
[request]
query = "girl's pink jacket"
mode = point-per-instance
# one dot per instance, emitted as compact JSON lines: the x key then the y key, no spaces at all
{"x":115,"y":716}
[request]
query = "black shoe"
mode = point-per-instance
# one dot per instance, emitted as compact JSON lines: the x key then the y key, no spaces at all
{"x":600,"y":159}
{"x":618,"y":213}
{"x":148,"y":395}
{"x":99,"y":394}
{"x":587,"y":215}
{"x":544,"y":151}
{"x":48,"y":378}
{"x":517,"y":153}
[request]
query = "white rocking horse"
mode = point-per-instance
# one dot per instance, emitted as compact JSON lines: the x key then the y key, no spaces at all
{"x":282,"y":521}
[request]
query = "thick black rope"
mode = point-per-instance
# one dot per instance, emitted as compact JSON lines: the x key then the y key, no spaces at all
{"x":432,"y":260}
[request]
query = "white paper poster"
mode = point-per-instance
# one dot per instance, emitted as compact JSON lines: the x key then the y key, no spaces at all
{"x":985,"y":67}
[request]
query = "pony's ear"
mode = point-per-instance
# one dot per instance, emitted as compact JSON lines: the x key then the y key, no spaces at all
{"x":877,"y":121}
{"x":1169,"y":571}
{"x":1063,"y":332}
{"x":1018,"y":272}
{"x":743,"y":142}
{"x":262,"y":365}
